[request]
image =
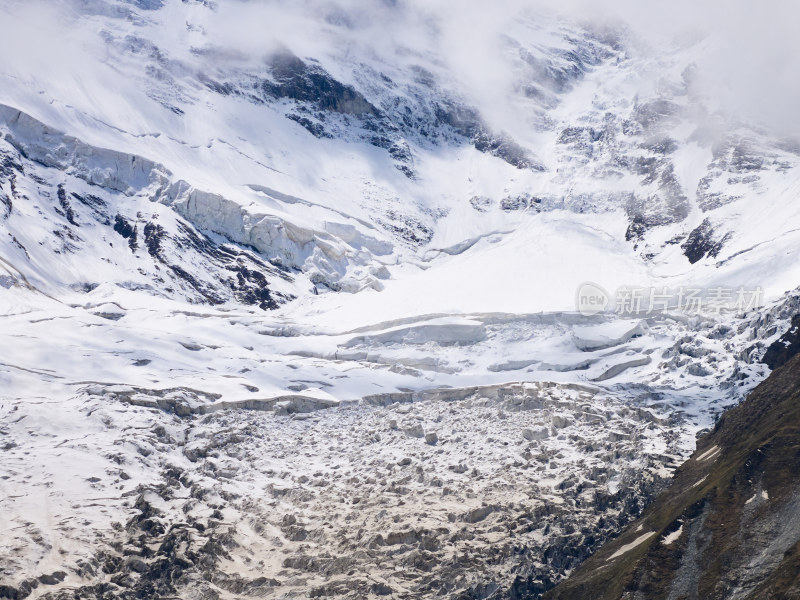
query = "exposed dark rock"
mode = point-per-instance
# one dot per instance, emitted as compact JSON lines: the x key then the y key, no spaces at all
{"x":7,"y":205}
{"x":637,"y":229}
{"x":123,"y":227}
{"x":94,"y":202}
{"x":579,"y":135}
{"x":661,"y":145}
{"x":10,"y":166}
{"x":521,"y":202}
{"x":736,"y":161}
{"x":785,"y":347}
{"x":251,"y":288}
{"x":481,"y":203}
{"x":249,"y":283}
{"x":153,"y":235}
{"x":407,"y":228}
{"x":53,"y":578}
{"x":293,"y":78}
{"x":147,"y":4}
{"x":656,"y":114}
{"x":563,"y":67}
{"x":507,"y":149}
{"x":65,"y":205}
{"x":708,"y":200}
{"x":313,"y":127}
{"x":661,"y":199}
{"x":12,"y":593}
{"x":327,"y":108}
{"x":728,"y":525}
{"x":737,"y":155}
{"x":701,"y":243}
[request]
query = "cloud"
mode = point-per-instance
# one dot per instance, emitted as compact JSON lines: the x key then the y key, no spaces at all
{"x":747,"y":53}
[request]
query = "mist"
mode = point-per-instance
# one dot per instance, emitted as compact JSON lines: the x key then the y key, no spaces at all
{"x":747,"y":55}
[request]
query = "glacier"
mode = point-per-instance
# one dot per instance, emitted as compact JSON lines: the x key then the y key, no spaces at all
{"x":299,"y":318}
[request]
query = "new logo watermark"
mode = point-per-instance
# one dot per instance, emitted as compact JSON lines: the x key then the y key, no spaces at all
{"x":592,"y":299}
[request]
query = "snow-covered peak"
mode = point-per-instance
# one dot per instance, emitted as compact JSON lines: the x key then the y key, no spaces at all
{"x":281,"y":257}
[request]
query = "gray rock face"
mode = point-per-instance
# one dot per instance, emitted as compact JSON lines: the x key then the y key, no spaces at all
{"x":701,"y":243}
{"x":292,"y":78}
{"x":327,"y":108}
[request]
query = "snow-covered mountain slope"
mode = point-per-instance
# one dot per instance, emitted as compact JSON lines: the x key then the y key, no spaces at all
{"x":296,"y":313}
{"x":386,"y":150}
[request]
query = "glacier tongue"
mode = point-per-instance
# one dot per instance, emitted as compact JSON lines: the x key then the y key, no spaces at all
{"x":219,"y":450}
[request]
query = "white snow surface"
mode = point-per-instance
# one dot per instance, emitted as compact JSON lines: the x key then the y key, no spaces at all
{"x":671,"y":538}
{"x":628,"y":547}
{"x":431,"y":294}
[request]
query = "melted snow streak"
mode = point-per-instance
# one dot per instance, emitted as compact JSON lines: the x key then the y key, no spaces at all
{"x":299,"y":318}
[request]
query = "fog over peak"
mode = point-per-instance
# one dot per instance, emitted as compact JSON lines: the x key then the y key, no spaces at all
{"x":746,"y":55}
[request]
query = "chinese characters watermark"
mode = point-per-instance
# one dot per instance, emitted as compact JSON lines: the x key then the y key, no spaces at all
{"x":592,"y":299}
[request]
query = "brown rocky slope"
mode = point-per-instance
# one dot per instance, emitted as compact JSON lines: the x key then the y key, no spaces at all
{"x":728,"y":527}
